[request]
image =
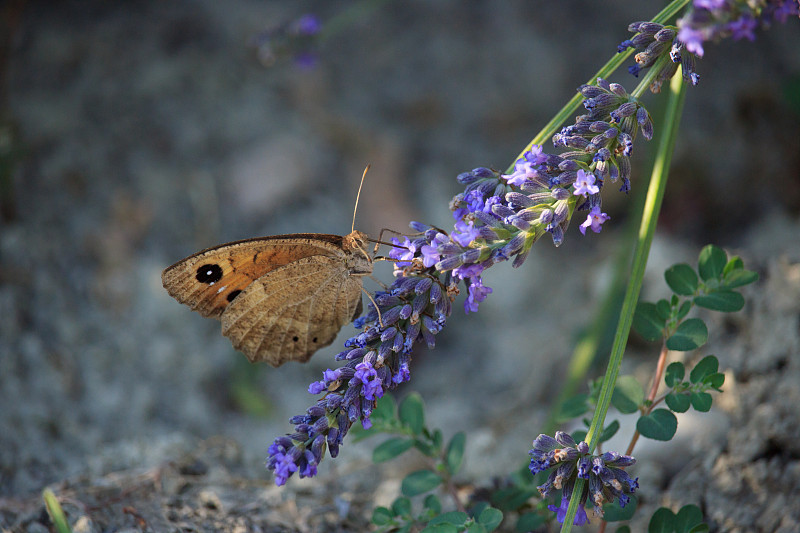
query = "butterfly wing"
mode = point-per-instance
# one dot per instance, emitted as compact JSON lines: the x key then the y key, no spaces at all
{"x":210,"y":280}
{"x":292,"y":311}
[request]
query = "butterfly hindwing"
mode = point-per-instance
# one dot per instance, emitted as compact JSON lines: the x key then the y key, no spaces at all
{"x":292,"y":311}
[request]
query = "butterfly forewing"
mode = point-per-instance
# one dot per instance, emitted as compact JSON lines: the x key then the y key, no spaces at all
{"x":211,"y":279}
{"x":291,"y":312}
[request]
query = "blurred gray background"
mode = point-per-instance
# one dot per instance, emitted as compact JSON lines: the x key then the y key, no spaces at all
{"x":135,"y":134}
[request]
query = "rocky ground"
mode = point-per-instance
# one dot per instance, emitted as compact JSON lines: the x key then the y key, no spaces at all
{"x":137,"y":134}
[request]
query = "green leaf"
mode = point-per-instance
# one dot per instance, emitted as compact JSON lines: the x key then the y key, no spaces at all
{"x":579,"y":434}
{"x":663,"y":521}
{"x":678,"y":402}
{"x":674,"y":374}
{"x":682,"y":279}
{"x":401,"y":506}
{"x":711,"y":262}
{"x":725,"y":301}
{"x":490,"y":518}
{"x":688,"y":517}
{"x":419,"y":482}
{"x":623,"y":529}
{"x":739,"y":278}
{"x":573,"y":407}
{"x":412,"y":413}
{"x":701,"y":401}
{"x":612,"y":512}
{"x":690,"y":335}
{"x":530,"y":522}
{"x":715,"y":380}
{"x":453,"y":517}
{"x":385,"y":410}
{"x":55,"y":512}
{"x":699,"y":528}
{"x":608,"y":432}
{"x":647,"y":322}
{"x":475,"y":527}
{"x":455,"y":452}
{"x":628,"y":395}
{"x":661,"y":424}
{"x":426,"y":448}
{"x":684,"y":309}
{"x":438,"y":439}
{"x":512,"y":498}
{"x":734,"y":263}
{"x":391,"y":449}
{"x":664,"y":309}
{"x":705,"y":367}
{"x":442,"y":528}
{"x":478,"y":508}
{"x":381,"y":516}
{"x":433,"y":503}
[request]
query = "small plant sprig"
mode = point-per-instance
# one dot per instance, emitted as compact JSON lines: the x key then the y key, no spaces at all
{"x":407,"y":423}
{"x":498,"y":217}
{"x":712,"y":287}
{"x":667,"y":320}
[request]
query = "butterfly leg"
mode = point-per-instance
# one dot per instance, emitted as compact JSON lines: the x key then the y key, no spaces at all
{"x":374,"y":303}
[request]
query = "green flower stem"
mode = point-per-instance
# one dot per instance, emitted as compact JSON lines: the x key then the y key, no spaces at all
{"x":597,"y":338}
{"x":606,"y":70}
{"x":655,"y":195}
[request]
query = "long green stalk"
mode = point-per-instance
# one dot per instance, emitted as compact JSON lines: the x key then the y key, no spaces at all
{"x":655,"y":195}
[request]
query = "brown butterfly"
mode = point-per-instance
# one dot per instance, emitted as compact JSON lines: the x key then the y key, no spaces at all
{"x":279,"y":298}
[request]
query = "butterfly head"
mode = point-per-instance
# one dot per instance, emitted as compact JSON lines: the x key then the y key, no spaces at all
{"x":356,"y":244}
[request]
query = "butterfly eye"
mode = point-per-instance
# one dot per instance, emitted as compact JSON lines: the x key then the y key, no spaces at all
{"x":314,"y":339}
{"x":209,"y":274}
{"x":295,"y":338}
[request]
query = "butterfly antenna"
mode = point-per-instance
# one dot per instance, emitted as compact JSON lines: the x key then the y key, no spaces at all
{"x":358,"y":195}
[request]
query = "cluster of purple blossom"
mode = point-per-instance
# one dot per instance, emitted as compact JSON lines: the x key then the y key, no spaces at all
{"x":712,"y":20}
{"x":666,"y":47}
{"x":295,"y":39}
{"x":414,"y":308}
{"x":497,"y":217}
{"x":607,"y":479}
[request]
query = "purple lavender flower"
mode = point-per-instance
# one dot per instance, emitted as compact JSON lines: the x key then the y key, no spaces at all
{"x":693,"y":40}
{"x":607,"y":479}
{"x":295,"y":39}
{"x":526,"y":168}
{"x":403,"y":253}
{"x":561,"y":513}
{"x":308,"y":24}
{"x":594,"y":220}
{"x":477,"y":293}
{"x":371,"y":385}
{"x":584,"y":184}
{"x":465,"y":232}
{"x":743,"y":28}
